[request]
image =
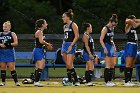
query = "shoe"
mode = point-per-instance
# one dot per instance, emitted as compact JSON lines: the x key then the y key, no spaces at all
{"x":2,"y":84}
{"x":90,"y":84}
{"x":112,"y":83}
{"x":108,"y":84}
{"x":138,"y":84}
{"x":129,"y":84}
{"x":38,"y":84}
{"x":77,"y":84}
{"x":17,"y":84}
{"x":68,"y":84}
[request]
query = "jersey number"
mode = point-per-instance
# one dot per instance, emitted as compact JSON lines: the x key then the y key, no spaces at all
{"x":66,"y":35}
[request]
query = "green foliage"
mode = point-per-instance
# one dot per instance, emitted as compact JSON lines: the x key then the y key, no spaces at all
{"x":103,"y":9}
{"x":23,"y":13}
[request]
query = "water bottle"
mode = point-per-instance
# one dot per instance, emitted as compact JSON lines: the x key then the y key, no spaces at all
{"x":119,"y":60}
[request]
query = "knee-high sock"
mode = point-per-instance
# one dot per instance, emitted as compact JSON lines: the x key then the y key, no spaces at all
{"x":38,"y":74}
{"x":74,"y":75}
{"x":131,"y":73}
{"x":14,"y":76}
{"x":90,"y":73}
{"x":106,"y":75}
{"x":69,"y":75}
{"x":139,"y":73}
{"x":111,"y":74}
{"x":3,"y":75}
{"x":127,"y":74}
{"x":86,"y":76}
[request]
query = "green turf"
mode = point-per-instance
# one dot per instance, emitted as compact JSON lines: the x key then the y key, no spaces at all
{"x":55,"y":86}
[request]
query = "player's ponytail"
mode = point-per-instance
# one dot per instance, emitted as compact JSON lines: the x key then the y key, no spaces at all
{"x":7,"y":23}
{"x":38,"y":24}
{"x":131,"y":17}
{"x":114,"y":18}
{"x":69,"y":14}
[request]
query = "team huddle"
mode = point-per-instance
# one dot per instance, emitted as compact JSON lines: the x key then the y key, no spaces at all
{"x":8,"y":40}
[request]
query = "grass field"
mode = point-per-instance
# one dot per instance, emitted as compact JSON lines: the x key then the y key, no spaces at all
{"x":56,"y":87}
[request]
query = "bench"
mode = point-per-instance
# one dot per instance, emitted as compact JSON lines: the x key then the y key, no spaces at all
{"x":51,"y":56}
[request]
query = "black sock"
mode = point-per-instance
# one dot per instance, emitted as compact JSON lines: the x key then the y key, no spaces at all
{"x":38,"y":75}
{"x":86,"y":76}
{"x":90,"y":73}
{"x":74,"y":75}
{"x":14,"y":76}
{"x":35,"y":74}
{"x":106,"y":75}
{"x":69,"y":75}
{"x":131,"y":73}
{"x":139,"y":73}
{"x":110,"y":74}
{"x":113,"y":74}
{"x":127,"y":74}
{"x":3,"y":75}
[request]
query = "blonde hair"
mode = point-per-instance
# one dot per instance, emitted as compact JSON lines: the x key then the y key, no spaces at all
{"x":7,"y":23}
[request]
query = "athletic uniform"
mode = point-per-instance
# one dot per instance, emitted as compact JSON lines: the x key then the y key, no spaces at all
{"x":132,"y":40}
{"x":130,"y":51}
{"x":7,"y":54}
{"x":38,"y":52}
{"x":108,"y":41}
{"x":91,"y":46}
{"x":68,"y":39}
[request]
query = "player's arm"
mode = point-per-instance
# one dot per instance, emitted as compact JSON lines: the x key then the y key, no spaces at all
{"x":137,"y":23}
{"x":103,"y":32}
{"x":41,"y":39}
{"x":137,"y":20}
{"x":43,"y":42}
{"x":76,"y":32}
{"x":0,"y":38}
{"x":1,"y":44}
{"x":129,"y":23}
{"x":85,"y":40}
{"x":15,"y":43}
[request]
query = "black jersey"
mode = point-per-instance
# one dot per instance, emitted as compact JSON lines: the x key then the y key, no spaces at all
{"x":7,"y":39}
{"x":38,"y":44}
{"x":68,"y":33}
{"x":108,"y":36}
{"x":132,"y":35}
{"x":90,"y":44}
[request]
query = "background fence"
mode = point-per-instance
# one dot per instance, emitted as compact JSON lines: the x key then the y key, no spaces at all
{"x":26,"y":41}
{"x":26,"y":44}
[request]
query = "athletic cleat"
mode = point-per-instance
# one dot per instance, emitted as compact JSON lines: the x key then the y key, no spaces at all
{"x":90,"y":84}
{"x":138,"y":84}
{"x":17,"y":84}
{"x":129,"y":84}
{"x":2,"y":84}
{"x":77,"y":84}
{"x":38,"y":84}
{"x":112,"y":83}
{"x":108,"y":84}
{"x":68,"y":84}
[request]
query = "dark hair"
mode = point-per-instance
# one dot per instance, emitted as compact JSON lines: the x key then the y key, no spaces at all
{"x":131,"y":17}
{"x":69,"y":14}
{"x":85,"y":26}
{"x":38,"y":23}
{"x":114,"y":18}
